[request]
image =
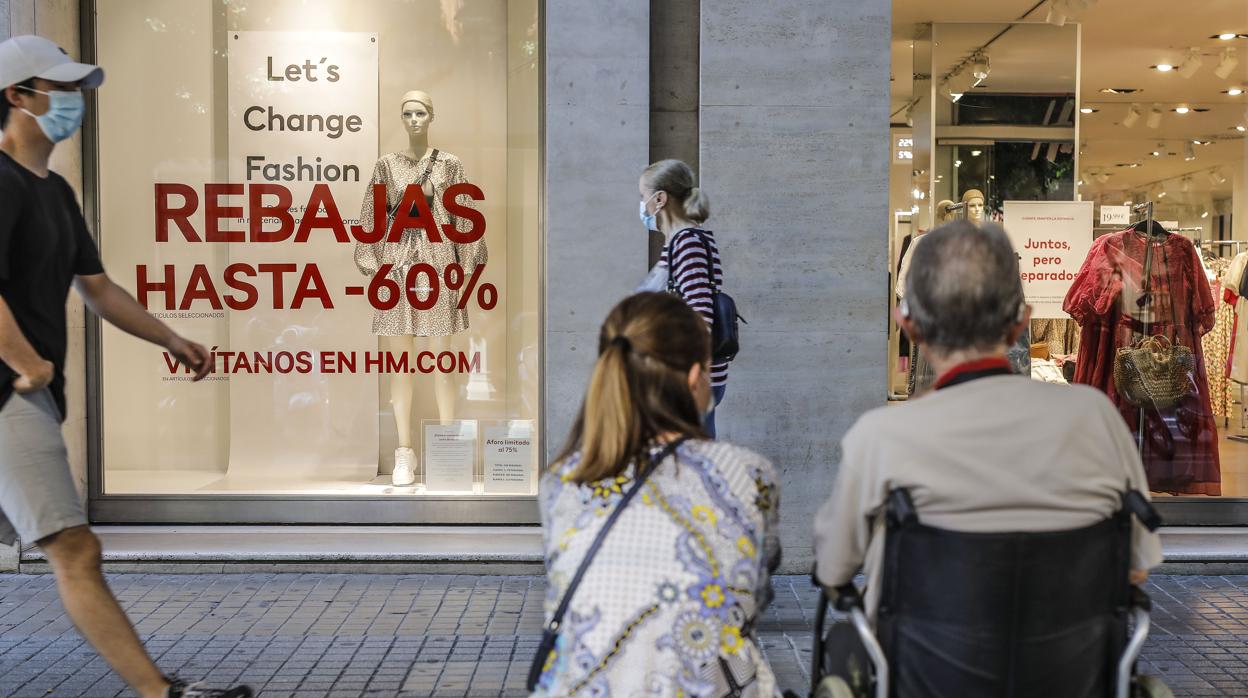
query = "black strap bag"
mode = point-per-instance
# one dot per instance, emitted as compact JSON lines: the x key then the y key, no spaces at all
{"x":551,"y":632}
{"x":724,"y":316}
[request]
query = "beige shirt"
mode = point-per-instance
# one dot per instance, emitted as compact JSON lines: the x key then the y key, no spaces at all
{"x":1003,"y":453}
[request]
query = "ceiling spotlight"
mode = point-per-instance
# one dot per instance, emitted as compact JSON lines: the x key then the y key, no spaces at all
{"x":910,"y":113}
{"x":1200,"y":142}
{"x":1120,"y":90}
{"x":1088,"y":110}
{"x":1059,"y":10}
{"x":1241,"y":128}
{"x":1185,"y":185}
{"x":1227,"y":64}
{"x":1189,"y":152}
{"x":1181,"y":110}
{"x":1154,"y":117}
{"x":1192,"y":63}
{"x":1216,"y":178}
{"x":1102,"y":177}
{"x":1133,"y":115}
{"x":976,"y":153}
{"x":1234,"y":91}
{"x":1156,"y":153}
{"x":1226,"y":36}
{"x":1161,"y":194}
{"x":1163,"y":67}
{"x":980,"y":67}
{"x":1205,"y":214}
{"x":957,"y":163}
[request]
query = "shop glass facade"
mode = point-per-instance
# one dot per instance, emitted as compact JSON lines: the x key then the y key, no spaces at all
{"x":1069,"y":124}
{"x":266,"y":184}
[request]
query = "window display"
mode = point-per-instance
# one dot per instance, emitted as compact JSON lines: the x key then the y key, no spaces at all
{"x":341,"y":200}
{"x":1068,"y":141}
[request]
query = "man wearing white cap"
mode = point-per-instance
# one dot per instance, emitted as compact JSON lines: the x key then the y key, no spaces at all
{"x":45,"y":247}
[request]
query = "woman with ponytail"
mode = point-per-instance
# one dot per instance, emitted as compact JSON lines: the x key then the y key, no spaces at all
{"x":671,"y":204}
{"x":666,"y":604}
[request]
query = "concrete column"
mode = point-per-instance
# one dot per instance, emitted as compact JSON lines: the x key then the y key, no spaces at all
{"x":597,"y":144}
{"x":794,"y":155}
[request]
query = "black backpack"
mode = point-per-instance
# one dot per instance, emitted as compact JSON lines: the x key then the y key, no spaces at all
{"x":724,"y":317}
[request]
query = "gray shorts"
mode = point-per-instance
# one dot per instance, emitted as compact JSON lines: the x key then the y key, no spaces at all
{"x":37,"y":493}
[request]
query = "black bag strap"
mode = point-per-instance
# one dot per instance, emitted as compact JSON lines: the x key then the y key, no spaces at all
{"x":671,"y":260}
{"x":433,"y":158}
{"x":557,"y":619}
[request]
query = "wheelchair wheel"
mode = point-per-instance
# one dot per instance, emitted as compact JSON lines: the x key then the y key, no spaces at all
{"x":834,"y":687}
{"x":1151,"y":687}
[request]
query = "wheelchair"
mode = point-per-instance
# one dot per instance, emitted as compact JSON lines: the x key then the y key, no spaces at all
{"x":1023,"y":615}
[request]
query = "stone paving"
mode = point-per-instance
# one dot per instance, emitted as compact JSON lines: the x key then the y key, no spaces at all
{"x":422,"y":635}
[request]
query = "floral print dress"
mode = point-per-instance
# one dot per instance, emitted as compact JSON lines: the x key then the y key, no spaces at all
{"x":397,"y":171}
{"x":668,"y":605}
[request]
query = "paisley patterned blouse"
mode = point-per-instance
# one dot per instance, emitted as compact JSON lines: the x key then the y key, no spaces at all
{"x":668,"y":605}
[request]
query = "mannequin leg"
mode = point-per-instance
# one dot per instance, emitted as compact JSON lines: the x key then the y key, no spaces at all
{"x":445,"y":389}
{"x":402,"y":386}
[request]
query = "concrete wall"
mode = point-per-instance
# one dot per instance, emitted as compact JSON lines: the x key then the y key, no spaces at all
{"x":597,"y":144}
{"x":794,"y":153}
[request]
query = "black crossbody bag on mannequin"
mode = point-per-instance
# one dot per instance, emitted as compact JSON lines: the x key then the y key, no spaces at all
{"x":550,"y":634}
{"x":724,"y":328}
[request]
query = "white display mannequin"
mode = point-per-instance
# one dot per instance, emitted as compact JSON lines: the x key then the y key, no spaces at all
{"x":417,"y":114}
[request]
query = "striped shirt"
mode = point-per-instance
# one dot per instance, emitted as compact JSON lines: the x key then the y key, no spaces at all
{"x":692,"y":277}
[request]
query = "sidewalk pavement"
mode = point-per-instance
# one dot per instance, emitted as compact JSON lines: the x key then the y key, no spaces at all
{"x":434,"y":635}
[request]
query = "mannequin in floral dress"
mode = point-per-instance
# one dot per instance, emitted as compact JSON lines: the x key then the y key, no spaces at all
{"x":404,"y":329}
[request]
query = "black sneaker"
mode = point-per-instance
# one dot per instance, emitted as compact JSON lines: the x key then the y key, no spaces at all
{"x":181,"y":689}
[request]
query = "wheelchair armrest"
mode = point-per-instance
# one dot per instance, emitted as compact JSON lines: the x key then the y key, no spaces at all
{"x":1140,"y":599}
{"x":847,"y":598}
{"x":1142,"y":510}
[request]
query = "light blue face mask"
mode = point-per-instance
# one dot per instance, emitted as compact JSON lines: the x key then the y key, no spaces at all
{"x":649,"y":220}
{"x":64,"y":115}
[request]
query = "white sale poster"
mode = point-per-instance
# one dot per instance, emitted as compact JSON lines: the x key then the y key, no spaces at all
{"x":1052,"y":238}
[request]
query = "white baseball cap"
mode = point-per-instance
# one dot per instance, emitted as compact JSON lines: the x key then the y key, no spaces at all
{"x":26,"y":57}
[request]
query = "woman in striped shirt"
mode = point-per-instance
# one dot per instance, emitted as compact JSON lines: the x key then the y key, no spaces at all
{"x":671,"y":204}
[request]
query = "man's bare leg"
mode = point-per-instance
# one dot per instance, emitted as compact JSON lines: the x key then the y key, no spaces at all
{"x":75,"y":558}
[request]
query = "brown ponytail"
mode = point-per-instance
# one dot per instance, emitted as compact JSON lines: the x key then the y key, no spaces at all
{"x":639,"y":389}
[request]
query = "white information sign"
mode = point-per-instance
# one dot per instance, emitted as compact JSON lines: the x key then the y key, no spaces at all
{"x":1116,"y":215}
{"x":1052,"y":239}
{"x":508,"y":456}
{"x":450,"y":455}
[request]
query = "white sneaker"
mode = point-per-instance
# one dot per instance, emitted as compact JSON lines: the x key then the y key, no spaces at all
{"x":403,"y":473}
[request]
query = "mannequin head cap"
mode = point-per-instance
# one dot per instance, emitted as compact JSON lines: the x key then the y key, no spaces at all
{"x":420,"y":97}
{"x":972,"y":194}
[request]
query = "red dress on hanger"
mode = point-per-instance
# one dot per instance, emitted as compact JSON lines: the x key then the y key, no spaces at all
{"x":1180,"y":443}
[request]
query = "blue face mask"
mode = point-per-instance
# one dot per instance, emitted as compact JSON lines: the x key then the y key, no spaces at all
{"x":649,"y":220}
{"x":64,"y":115}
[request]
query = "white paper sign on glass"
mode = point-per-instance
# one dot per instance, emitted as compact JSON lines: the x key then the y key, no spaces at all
{"x":1052,"y":239}
{"x":1116,"y":215}
{"x":507,"y":452}
{"x":450,"y":455}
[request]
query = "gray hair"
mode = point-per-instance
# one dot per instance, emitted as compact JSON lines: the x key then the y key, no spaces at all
{"x":963,"y":290}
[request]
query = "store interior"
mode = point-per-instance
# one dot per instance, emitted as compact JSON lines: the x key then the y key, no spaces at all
{"x":1113,"y":102}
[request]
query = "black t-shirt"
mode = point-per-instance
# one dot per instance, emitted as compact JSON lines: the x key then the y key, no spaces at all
{"x":44,"y":243}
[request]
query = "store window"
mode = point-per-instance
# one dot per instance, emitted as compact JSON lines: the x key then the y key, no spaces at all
{"x":1080,"y":141}
{"x":341,"y":200}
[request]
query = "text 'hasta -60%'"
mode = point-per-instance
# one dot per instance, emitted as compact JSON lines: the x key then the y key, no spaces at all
{"x":271,"y":204}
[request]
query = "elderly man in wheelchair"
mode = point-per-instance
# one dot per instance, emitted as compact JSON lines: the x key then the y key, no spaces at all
{"x":1003,"y":524}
